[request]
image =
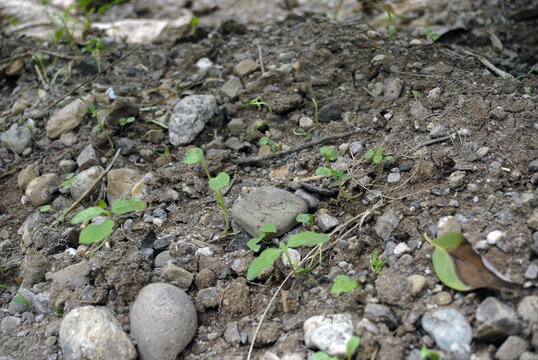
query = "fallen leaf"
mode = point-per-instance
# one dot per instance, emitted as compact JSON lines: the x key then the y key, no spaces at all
{"x":461,"y":268}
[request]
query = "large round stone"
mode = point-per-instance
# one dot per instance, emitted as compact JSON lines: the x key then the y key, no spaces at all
{"x":163,"y":321}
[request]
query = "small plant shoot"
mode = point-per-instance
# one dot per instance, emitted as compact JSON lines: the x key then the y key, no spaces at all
{"x":45,"y":208}
{"x":352,"y":345}
{"x":99,"y":233}
{"x":377,"y":155}
{"x":376,"y":263}
{"x":306,"y":219}
{"x":258,"y":101}
{"x":343,"y":284}
{"x":316,"y":113}
{"x":254,"y":243}
{"x":196,"y":156}
{"x":124,"y":121}
{"x":339,"y":176}
{"x":427,"y":354}
{"x":69,"y":179}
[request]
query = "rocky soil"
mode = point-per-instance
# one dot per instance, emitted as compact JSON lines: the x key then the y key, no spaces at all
{"x":457,"y":122}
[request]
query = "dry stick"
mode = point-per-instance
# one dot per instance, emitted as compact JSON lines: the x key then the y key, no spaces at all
{"x":91,"y":188}
{"x":93,"y":77}
{"x":308,"y":256}
{"x":257,"y":160}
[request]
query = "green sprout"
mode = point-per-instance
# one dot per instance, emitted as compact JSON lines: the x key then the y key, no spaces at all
{"x":266,"y":141}
{"x":427,"y":354}
{"x":376,"y":156}
{"x":527,"y":89}
{"x":124,"y":121}
{"x":19,"y":298}
{"x":258,"y":101}
{"x":316,"y":113}
{"x":306,"y":219}
{"x":521,"y":76}
{"x":196,"y":155}
{"x":268,"y":256}
{"x":343,"y":284}
{"x":330,"y":154}
{"x":376,"y":263}
{"x":301,"y":132}
{"x":95,"y":46}
{"x":100,"y":122}
{"x":100,"y":233}
{"x":254,"y":243}
{"x":194,"y":22}
{"x":429,"y":34}
{"x":39,"y":60}
{"x":416,"y":94}
{"x":391,"y":29}
{"x":45,"y":208}
{"x":69,"y":179}
{"x":159,"y":154}
{"x":260,"y":126}
{"x":351,"y":347}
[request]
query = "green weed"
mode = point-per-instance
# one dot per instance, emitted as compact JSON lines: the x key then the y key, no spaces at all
{"x":316,"y":113}
{"x":416,"y":94}
{"x":306,"y":219}
{"x":391,"y":29}
{"x":69,"y":179}
{"x":301,"y":132}
{"x":343,"y":284}
{"x":196,"y":155}
{"x":124,"y":121}
{"x":100,"y":122}
{"x":268,"y":256}
{"x":159,"y":154}
{"x":19,"y":298}
{"x":272,"y":145}
{"x":95,"y":46}
{"x":376,"y":263}
{"x":527,"y":89}
{"x":427,"y":354}
{"x":351,"y":347}
{"x":194,"y":22}
{"x":254,"y":243}
{"x":339,"y":176}
{"x":429,"y":34}
{"x":258,"y":101}
{"x":45,"y":208}
{"x":376,"y":156}
{"x":100,"y":233}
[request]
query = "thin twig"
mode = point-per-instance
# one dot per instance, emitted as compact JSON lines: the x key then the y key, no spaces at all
{"x":91,"y":188}
{"x":258,"y":160}
{"x":93,"y":77}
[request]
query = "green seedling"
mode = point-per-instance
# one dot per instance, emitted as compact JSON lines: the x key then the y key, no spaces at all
{"x":163,"y":154}
{"x":339,"y":176}
{"x":301,"y":132}
{"x":266,"y":141}
{"x":268,"y":256}
{"x":124,"y":121}
{"x":100,"y":233}
{"x":45,"y":208}
{"x":527,"y":89}
{"x":39,"y":59}
{"x":100,"y":123}
{"x":376,"y":156}
{"x":194,"y":22}
{"x":429,"y":34}
{"x":149,"y":108}
{"x":254,"y":243}
{"x":343,"y":284}
{"x":351,"y":347}
{"x":427,"y":354}
{"x":258,"y":101}
{"x":316,"y":113}
{"x":95,"y":46}
{"x":306,"y":219}
{"x":160,"y":124}
{"x":376,"y":263}
{"x":61,"y":217}
{"x":19,"y":298}
{"x":196,"y":156}
{"x":391,"y":29}
{"x":69,"y":179}
{"x":148,"y":133}
{"x":416,"y":94}
{"x":521,"y":76}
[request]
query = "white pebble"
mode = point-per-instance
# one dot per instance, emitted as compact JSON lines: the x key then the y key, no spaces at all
{"x":495,"y":236}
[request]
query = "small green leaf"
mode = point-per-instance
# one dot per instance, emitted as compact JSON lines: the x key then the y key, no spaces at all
{"x":87,"y":214}
{"x":369,"y":154}
{"x":193,"y":156}
{"x":91,"y":109}
{"x":309,"y":238}
{"x":253,"y":244}
{"x":264,"y":141}
{"x":262,"y":262}
{"x":268,"y":228}
{"x":320,"y":355}
{"x":45,"y":208}
{"x":329,"y":153}
{"x":70,"y":176}
{"x":95,"y":233}
{"x":426,"y":353}
{"x":343,"y":283}
{"x":20,"y":300}
{"x":219,"y":182}
{"x":303,"y":218}
{"x":352,"y":345}
{"x":323,"y":171}
{"x":123,"y":206}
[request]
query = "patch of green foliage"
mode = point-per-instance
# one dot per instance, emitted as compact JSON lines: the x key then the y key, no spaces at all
{"x":301,"y":132}
{"x":316,"y":113}
{"x":196,"y":156}
{"x":125,"y":121}
{"x":343,"y":284}
{"x":306,"y":219}
{"x":100,"y":233}
{"x":339,"y":176}
{"x":258,"y":101}
{"x":94,"y":46}
{"x":429,"y":34}
{"x":377,"y":155}
{"x":391,"y":29}
{"x":69,"y":179}
{"x":254,"y":243}
{"x":376,"y":263}
{"x":194,"y":22}
{"x":351,"y":347}
{"x":45,"y":208}
{"x":266,"y":141}
{"x":527,"y":89}
{"x":269,"y":255}
{"x":427,"y":354}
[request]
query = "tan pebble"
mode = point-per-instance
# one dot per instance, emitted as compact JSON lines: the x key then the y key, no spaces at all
{"x":416,"y":283}
{"x":442,"y":299}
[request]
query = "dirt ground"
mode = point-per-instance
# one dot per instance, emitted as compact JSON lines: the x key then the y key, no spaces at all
{"x":465,"y":105}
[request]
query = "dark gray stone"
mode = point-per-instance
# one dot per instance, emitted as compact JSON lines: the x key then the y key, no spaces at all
{"x":329,"y":112}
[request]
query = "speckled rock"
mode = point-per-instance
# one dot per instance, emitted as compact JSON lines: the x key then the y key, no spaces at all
{"x":189,"y":117}
{"x":67,"y":118}
{"x":26,"y":175}
{"x":497,"y":320}
{"x":511,"y":349}
{"x":328,"y":333}
{"x":40,"y":190}
{"x":450,"y":330}
{"x":84,"y":181}
{"x":92,"y":332}
{"x":163,"y":321}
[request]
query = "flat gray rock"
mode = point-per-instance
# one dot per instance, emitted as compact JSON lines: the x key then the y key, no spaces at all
{"x":497,"y":320}
{"x":189,"y":117}
{"x":17,"y":138}
{"x":387,"y":223}
{"x":268,"y":205}
{"x":67,"y":118}
{"x":450,"y":330}
{"x":329,"y":333}
{"x":92,"y":332}
{"x":163,"y":321}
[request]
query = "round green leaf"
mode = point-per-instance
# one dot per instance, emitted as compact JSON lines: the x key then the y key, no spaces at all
{"x":352,"y":345}
{"x":369,"y":154}
{"x":343,"y":283}
{"x":193,"y":156}
{"x":328,"y":152}
{"x":123,"y":206}
{"x":323,"y":171}
{"x":253,"y":244}
{"x":95,"y":233}
{"x":262,"y":262}
{"x":87,"y":214}
{"x":268,"y":228}
{"x":445,"y":270}
{"x":303,"y":218}
{"x":45,"y":208}
{"x":219,"y":182}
